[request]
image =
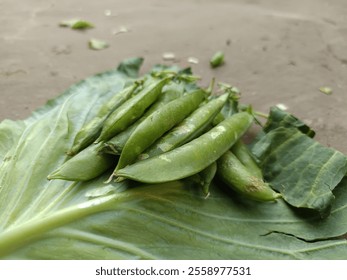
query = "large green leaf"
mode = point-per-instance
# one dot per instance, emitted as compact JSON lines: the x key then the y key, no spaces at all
{"x":304,"y":171}
{"x":42,"y":219}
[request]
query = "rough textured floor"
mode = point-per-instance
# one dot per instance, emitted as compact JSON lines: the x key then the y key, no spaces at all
{"x":276,"y":51}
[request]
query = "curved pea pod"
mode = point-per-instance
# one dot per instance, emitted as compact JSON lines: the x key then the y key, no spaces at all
{"x":86,"y":165}
{"x":156,"y":124}
{"x":207,"y":176}
{"x":191,"y":127}
{"x":244,"y":155}
{"x":116,"y":144}
{"x":238,"y":178}
{"x":90,"y":131}
{"x":192,"y":157}
{"x":131,"y":110}
{"x":204,"y":178}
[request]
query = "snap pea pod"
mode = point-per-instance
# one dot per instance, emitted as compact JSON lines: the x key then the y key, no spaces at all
{"x":90,"y":131}
{"x":116,"y":144}
{"x":192,"y":157}
{"x":207,"y":176}
{"x":239,"y":149}
{"x":156,"y":124}
{"x":238,"y":177}
{"x":244,"y":155}
{"x":131,"y":110}
{"x":86,"y":165}
{"x":190,"y":128}
{"x":204,"y":178}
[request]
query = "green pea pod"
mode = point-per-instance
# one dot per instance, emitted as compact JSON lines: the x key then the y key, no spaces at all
{"x":190,"y":128}
{"x":244,"y":155}
{"x":238,"y":177}
{"x":230,"y":108}
{"x":239,"y":149}
{"x":131,"y":110}
{"x":207,"y":176}
{"x":90,"y":131}
{"x":192,"y":157}
{"x":156,"y":124}
{"x":204,"y":178}
{"x":86,"y":165}
{"x":117,"y":143}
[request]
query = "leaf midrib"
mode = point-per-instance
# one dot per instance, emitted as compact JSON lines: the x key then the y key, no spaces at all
{"x":17,"y":236}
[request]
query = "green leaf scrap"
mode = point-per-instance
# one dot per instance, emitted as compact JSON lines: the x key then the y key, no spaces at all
{"x":326,"y":90}
{"x":217,"y":59}
{"x":76,"y":24}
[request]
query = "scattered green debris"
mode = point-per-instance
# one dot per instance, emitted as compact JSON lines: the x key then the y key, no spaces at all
{"x":96,"y":44}
{"x":217,"y":59}
{"x":326,"y":90}
{"x":76,"y":24}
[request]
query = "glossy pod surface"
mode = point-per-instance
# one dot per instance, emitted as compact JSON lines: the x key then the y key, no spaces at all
{"x":240,"y":179}
{"x":116,"y":144}
{"x":131,"y":110}
{"x":192,"y":157}
{"x":241,"y":151}
{"x":156,"y":124}
{"x":207,"y":175}
{"x":191,"y":127}
{"x":90,"y":131}
{"x":86,"y":165}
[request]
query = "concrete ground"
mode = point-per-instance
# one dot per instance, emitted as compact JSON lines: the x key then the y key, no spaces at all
{"x":276,"y":51}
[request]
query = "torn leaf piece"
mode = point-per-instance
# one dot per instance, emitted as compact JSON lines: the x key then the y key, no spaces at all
{"x":82,"y":24}
{"x":301,"y":169}
{"x":326,"y":90}
{"x":76,"y":24}
{"x":280,"y":118}
{"x":96,"y":44}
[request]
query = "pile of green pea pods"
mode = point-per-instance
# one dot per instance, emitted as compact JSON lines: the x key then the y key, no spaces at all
{"x":155,"y":130}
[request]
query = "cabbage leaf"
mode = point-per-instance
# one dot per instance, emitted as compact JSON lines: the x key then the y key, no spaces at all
{"x":41,"y":219}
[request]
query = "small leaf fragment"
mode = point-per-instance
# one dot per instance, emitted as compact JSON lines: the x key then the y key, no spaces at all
{"x":326,"y":90}
{"x":82,"y":24}
{"x":217,"y":59}
{"x":76,"y":24}
{"x":96,"y":44}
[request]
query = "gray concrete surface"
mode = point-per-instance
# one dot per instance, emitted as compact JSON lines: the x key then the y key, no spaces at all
{"x":276,"y":51}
